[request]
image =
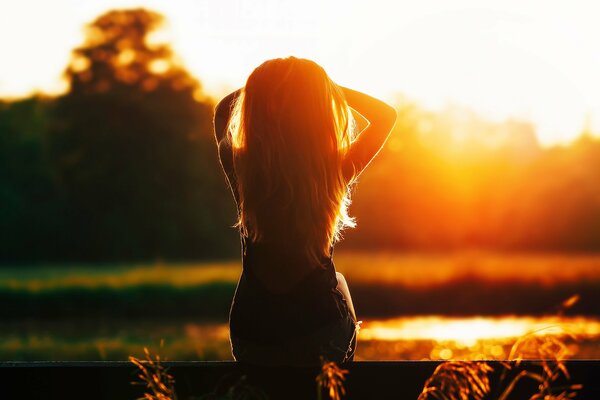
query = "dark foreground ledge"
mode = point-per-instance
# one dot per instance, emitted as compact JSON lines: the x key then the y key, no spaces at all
{"x":366,"y":380}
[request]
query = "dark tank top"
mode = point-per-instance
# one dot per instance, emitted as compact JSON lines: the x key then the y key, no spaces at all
{"x":262,"y":315}
{"x":280,"y":294}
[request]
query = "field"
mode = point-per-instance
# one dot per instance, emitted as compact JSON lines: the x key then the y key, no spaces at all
{"x":116,"y":339}
{"x":465,"y":305}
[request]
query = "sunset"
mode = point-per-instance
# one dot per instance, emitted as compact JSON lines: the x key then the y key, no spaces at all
{"x":505,"y":59}
{"x":175,"y":177}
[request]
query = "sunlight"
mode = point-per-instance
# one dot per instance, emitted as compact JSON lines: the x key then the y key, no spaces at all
{"x":507,"y":59}
{"x":533,"y":60}
{"x":159,"y":66}
{"x":467,"y":331}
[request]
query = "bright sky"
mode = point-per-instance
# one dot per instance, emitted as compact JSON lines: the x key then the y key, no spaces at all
{"x":538,"y":60}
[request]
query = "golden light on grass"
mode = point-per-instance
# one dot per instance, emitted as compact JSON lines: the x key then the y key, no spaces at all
{"x":423,"y":270}
{"x":458,"y":380}
{"x":155,"y":376}
{"x":467,"y":331}
{"x":464,"y":380}
{"x":182,"y":275}
{"x":411,"y":270}
{"x":331,"y":379}
{"x":451,"y":380}
{"x":568,"y":303}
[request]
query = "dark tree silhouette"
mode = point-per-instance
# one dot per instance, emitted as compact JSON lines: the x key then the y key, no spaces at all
{"x":135,"y":151}
{"x":117,"y":55}
{"x":123,"y":167}
{"x":31,"y":206}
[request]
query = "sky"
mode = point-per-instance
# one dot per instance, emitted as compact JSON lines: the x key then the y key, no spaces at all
{"x":534,"y":60}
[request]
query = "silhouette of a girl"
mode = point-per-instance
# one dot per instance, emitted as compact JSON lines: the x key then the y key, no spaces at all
{"x":288,"y":146}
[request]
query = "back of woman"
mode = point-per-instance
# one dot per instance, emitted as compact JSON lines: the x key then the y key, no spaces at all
{"x":289,"y":149}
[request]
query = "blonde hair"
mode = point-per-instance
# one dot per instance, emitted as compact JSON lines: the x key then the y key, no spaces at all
{"x":290,"y":129}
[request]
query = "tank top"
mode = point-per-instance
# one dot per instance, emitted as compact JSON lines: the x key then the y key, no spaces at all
{"x":262,"y":315}
{"x":308,"y":301}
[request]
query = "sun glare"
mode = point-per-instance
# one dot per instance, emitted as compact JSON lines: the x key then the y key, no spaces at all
{"x":467,"y":331}
{"x":533,"y":60}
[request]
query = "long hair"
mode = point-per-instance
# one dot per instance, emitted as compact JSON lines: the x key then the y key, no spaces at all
{"x":290,"y":129}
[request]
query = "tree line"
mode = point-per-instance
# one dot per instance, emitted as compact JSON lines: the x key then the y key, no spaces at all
{"x":123,"y":167}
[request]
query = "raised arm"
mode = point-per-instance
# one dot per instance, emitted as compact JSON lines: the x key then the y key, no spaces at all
{"x":222,"y":114}
{"x":364,"y":148}
{"x":221,"y":118}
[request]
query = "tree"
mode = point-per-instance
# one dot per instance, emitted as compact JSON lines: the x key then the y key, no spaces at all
{"x":134,"y":148}
{"x":30,"y":203}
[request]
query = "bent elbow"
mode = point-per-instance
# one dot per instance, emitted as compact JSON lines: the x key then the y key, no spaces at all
{"x":221,"y":109}
{"x":390,"y":116}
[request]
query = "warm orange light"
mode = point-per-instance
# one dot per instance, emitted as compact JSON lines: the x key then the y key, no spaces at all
{"x":425,"y":270}
{"x":467,"y":331}
{"x":80,"y":64}
{"x":512,"y":58}
{"x":159,"y":66}
{"x":126,"y":57}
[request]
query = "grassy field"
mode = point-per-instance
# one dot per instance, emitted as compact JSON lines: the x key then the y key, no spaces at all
{"x":383,"y":285}
{"x":112,"y":339}
{"x":422,"y":270}
{"x":116,"y":339}
{"x":390,"y":268}
{"x":112,"y":311}
{"x":59,"y":277}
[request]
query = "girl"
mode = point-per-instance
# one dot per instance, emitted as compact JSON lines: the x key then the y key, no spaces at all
{"x":288,"y":146}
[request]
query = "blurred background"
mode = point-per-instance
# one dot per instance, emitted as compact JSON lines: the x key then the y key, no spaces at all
{"x":478,"y":222}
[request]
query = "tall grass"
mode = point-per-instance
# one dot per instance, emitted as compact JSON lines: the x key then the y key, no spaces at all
{"x":451,"y":380}
{"x":466,"y":380}
{"x":460,"y":380}
{"x":160,"y":385}
{"x":331,"y":380}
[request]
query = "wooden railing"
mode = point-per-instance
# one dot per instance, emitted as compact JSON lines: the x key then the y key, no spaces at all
{"x":365,"y":380}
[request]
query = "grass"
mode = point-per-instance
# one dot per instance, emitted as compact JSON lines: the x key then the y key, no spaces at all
{"x":160,"y":385}
{"x":112,"y":339}
{"x":106,"y":311}
{"x":464,"y":380}
{"x":405,"y":269}
{"x":54,"y":278}
{"x":331,"y":380}
{"x":189,"y":342}
{"x":461,"y":380}
{"x":422,"y":270}
{"x":382,"y":284}
{"x":451,"y":380}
